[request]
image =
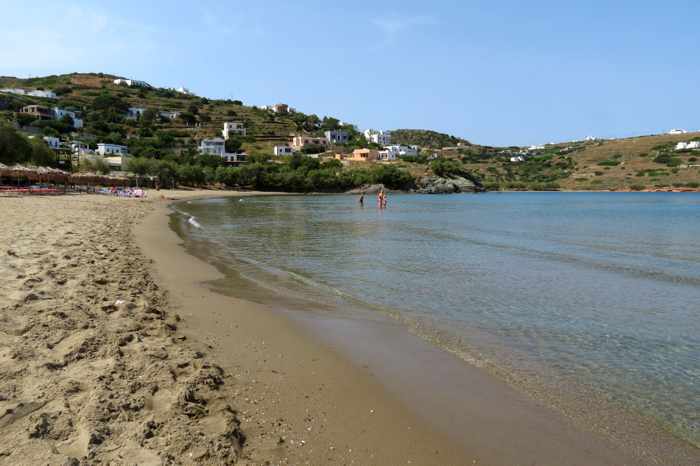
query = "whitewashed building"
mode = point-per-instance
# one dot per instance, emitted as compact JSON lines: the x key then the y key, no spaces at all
{"x":337,"y":136}
{"x":235,"y":128}
{"x":131,"y":83}
{"x":79,"y":148}
{"x":183,"y":90}
{"x":134,"y":113}
{"x":214,"y":146}
{"x":383,"y":138}
{"x":400,"y":150}
{"x":386,"y":155}
{"x":234,"y":158}
{"x":53,"y":142}
{"x":517,"y":159}
{"x":300,"y":141}
{"x":169,"y":114}
{"x":33,"y":93}
{"x":60,"y":113}
{"x":105,"y":149}
{"x":692,"y":145}
{"x":281,"y":150}
{"x":677,"y":131}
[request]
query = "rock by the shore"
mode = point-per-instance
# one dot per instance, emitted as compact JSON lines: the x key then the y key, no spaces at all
{"x":440,"y":185}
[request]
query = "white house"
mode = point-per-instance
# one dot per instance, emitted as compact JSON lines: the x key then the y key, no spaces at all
{"x":399,"y":150}
{"x":43,"y":94}
{"x":169,"y":114}
{"x":692,"y":145}
{"x":32,"y":93}
{"x":183,"y":90}
{"x":105,"y":149}
{"x":281,"y":150}
{"x":79,"y":148}
{"x":537,"y":147}
{"x":517,"y":159}
{"x":383,"y":138}
{"x":131,"y":83}
{"x":677,"y":131}
{"x":53,"y":142}
{"x":337,"y":136}
{"x":235,"y":128}
{"x":134,"y":113}
{"x":279,"y":108}
{"x":234,"y":158}
{"x":386,"y":155}
{"x":60,"y":113}
{"x":214,"y":146}
{"x":13,"y":90}
{"x":301,"y":141}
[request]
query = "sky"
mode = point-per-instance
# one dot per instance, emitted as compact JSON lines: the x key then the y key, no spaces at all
{"x":493,"y":72}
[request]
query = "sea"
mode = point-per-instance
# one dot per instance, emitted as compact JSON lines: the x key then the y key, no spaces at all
{"x":595,"y":292}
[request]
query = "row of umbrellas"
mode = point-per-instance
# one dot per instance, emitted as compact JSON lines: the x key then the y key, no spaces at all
{"x":47,"y":174}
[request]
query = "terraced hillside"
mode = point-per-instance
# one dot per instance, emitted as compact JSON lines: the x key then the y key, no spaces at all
{"x":201,"y":117}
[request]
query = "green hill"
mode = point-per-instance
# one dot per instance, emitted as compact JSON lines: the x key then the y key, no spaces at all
{"x":426,"y":138}
{"x":103,"y":104}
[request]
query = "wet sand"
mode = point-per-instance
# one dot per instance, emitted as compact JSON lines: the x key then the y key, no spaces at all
{"x":401,"y":399}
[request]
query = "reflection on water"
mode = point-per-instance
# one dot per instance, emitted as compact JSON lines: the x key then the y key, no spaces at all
{"x":600,"y":289}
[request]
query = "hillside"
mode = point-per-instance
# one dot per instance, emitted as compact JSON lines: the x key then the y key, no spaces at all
{"x":639,"y":163}
{"x":100,"y":101}
{"x":648,"y":162}
{"x":426,"y":138}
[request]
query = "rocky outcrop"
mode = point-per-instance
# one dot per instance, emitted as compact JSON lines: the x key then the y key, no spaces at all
{"x":442,"y":185}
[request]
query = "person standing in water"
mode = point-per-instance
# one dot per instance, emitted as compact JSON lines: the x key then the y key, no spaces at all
{"x":385,"y":199}
{"x":362,"y":199}
{"x":381,"y":199}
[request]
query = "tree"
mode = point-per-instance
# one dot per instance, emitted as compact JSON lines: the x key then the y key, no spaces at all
{"x":139,"y":166}
{"x":42,"y":155}
{"x":67,"y":120}
{"x":233,"y":144}
{"x":193,"y":109}
{"x":149,"y":116}
{"x":14,"y":148}
{"x":330,"y":123}
{"x":311,"y":123}
{"x":188,"y":118}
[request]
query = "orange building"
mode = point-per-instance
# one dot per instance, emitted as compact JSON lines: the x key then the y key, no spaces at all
{"x":364,"y":155}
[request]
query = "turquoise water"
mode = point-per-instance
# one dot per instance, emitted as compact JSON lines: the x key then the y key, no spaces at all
{"x":600,"y":290}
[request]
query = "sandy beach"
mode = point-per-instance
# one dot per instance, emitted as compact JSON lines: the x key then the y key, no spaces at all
{"x":115,"y":350}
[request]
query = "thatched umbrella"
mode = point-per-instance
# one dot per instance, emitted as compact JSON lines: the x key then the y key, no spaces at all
{"x":20,"y":171}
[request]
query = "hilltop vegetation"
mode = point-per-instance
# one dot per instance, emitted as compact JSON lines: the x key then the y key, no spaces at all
{"x":425,"y":138}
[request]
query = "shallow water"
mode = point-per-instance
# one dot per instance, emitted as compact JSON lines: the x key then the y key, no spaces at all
{"x":601,"y":290}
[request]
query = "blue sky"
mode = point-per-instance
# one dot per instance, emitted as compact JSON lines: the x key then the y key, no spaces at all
{"x":501,"y":73}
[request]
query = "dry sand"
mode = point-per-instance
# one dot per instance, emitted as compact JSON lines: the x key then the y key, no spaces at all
{"x":92,"y":368}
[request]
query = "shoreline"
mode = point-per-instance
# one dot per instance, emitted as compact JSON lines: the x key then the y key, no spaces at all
{"x":557,"y":438}
{"x":304,"y":402}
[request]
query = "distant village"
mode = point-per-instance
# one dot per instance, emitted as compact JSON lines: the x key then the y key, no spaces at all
{"x":333,"y":144}
{"x":116,"y":156}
